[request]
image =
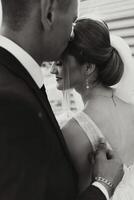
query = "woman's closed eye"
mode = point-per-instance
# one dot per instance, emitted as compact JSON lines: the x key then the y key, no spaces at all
{"x":58,"y":63}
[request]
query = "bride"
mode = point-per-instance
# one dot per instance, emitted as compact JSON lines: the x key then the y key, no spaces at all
{"x":93,"y":62}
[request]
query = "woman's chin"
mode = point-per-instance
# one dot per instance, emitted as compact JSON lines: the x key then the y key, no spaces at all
{"x":59,"y":87}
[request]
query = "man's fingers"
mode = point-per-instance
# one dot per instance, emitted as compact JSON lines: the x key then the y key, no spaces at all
{"x":101,"y":144}
{"x":101,"y":153}
{"x":104,"y":151}
{"x":101,"y":148}
{"x":110,"y":154}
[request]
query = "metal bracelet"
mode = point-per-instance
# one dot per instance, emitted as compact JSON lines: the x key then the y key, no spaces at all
{"x":104,"y":180}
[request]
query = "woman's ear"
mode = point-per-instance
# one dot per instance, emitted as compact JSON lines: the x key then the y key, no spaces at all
{"x":89,"y":68}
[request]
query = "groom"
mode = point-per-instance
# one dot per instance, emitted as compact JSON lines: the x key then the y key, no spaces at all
{"x":34,"y":161}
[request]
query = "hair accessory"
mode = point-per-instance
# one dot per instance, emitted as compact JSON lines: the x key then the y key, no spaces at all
{"x":72,"y":32}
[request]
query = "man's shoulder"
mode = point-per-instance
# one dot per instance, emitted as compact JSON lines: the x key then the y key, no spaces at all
{"x":14,"y":99}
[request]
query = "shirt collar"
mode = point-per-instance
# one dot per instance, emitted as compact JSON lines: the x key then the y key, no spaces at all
{"x":25,"y":59}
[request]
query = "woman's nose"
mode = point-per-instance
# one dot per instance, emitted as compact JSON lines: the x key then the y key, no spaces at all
{"x":53,"y":68}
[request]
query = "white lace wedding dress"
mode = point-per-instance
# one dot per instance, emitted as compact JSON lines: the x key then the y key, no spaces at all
{"x":125,"y":190}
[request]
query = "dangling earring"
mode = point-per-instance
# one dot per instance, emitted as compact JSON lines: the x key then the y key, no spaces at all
{"x":87,"y":84}
{"x":90,"y":76}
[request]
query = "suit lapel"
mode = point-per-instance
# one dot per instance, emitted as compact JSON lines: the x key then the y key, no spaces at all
{"x":10,"y":62}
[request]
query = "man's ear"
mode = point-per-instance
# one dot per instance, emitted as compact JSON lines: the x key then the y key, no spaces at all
{"x":47,"y":13}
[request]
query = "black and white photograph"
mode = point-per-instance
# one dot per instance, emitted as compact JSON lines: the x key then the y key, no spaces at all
{"x":66,"y":99}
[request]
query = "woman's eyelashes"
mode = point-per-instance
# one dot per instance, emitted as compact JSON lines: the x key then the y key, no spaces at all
{"x":59,"y":63}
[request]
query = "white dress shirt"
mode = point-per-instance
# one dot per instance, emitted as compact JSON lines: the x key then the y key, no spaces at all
{"x":34,"y":70}
{"x":24,"y":58}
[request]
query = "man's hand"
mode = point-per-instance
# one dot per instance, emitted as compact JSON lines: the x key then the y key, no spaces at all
{"x":108,"y":165}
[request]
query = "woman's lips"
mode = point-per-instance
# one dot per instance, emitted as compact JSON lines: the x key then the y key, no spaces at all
{"x":58,"y":78}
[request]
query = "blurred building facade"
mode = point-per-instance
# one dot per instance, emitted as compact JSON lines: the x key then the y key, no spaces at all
{"x":118,"y":14}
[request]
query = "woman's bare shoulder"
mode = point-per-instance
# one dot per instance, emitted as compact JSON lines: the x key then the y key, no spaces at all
{"x":73,"y":133}
{"x":76,"y":140}
{"x":71,"y":127}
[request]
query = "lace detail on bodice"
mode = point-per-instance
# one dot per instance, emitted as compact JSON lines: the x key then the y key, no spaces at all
{"x":90,"y":128}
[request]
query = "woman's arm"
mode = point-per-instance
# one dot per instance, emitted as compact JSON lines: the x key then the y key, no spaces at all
{"x":79,"y":147}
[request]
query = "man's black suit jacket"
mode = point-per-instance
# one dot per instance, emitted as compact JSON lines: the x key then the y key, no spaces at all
{"x":34,"y":160}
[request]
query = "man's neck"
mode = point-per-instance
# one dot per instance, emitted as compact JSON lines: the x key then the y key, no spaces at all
{"x":24,"y":40}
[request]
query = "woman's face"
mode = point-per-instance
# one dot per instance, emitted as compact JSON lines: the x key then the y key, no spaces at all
{"x":68,"y":73}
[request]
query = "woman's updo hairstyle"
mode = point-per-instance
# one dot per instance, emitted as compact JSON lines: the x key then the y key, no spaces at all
{"x":91,"y":43}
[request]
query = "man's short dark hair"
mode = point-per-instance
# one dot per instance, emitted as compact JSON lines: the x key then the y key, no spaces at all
{"x":16,"y":12}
